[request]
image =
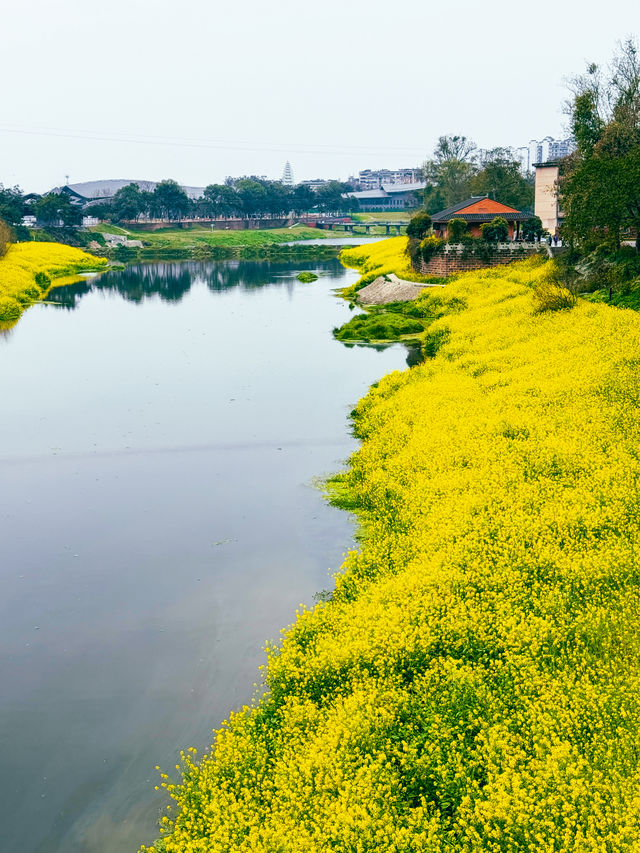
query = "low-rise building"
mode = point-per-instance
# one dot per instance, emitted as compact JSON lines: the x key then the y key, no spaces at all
{"x":476,"y":211}
{"x":391,"y":197}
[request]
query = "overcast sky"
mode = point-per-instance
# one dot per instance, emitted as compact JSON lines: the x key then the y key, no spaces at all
{"x":200,"y":89}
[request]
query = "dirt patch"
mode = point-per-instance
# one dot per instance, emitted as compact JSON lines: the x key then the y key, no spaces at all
{"x":390,"y":288}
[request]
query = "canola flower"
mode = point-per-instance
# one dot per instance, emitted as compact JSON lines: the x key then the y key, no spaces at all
{"x":474,"y":682}
{"x":27,"y":271}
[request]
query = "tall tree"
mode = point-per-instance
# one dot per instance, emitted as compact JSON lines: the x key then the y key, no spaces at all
{"x":128,"y":203}
{"x":449,"y":172}
{"x":170,"y":201}
{"x":600,"y":186}
{"x":500,"y":178}
{"x":11,"y":205}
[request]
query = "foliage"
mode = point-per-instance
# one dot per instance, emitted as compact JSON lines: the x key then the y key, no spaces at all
{"x":11,"y":205}
{"x":456,"y":230}
{"x":430,"y":246}
{"x":532,"y":229}
{"x":129,"y":203}
{"x":5,"y":237}
{"x":419,"y":225}
{"x":307,"y":277}
{"x":27,"y":270}
{"x":381,"y":258}
{"x":56,"y":208}
{"x":496,"y":231}
{"x":500,"y":177}
{"x":600,"y":184}
{"x":472,"y":684}
{"x":169,"y":200}
{"x":550,"y":296}
{"x":379,"y":326}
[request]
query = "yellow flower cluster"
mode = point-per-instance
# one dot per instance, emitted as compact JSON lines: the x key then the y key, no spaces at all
{"x":473,"y":685}
{"x":380,"y":258}
{"x":27,"y":269}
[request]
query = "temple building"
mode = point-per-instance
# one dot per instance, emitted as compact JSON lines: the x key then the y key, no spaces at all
{"x":476,"y":211}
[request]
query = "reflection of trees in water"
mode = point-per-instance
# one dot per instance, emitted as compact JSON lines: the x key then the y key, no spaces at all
{"x":171,"y":281}
{"x":414,"y":351}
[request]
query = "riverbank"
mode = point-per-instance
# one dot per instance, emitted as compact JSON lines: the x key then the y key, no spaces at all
{"x":200,"y":243}
{"x":472,"y":683}
{"x":28,"y":271}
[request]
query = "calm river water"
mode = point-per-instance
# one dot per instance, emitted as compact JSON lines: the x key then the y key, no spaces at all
{"x":161,"y":428}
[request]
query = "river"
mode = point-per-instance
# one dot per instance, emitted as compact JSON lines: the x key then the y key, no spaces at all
{"x":162,"y":427}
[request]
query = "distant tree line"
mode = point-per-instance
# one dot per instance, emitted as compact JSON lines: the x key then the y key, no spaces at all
{"x":240,"y":197}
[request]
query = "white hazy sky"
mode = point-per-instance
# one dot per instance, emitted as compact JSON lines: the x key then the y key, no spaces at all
{"x":199,"y":89}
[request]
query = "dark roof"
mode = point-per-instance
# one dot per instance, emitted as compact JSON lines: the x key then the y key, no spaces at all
{"x":518,"y":216}
{"x":450,"y":212}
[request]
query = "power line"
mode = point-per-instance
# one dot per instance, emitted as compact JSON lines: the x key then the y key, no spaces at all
{"x":220,"y":144}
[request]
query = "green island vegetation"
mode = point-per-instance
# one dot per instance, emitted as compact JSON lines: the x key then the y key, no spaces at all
{"x":29,"y":270}
{"x":307,"y":277}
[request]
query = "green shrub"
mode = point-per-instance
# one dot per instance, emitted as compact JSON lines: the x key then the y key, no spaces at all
{"x":496,"y":231}
{"x":10,"y":309}
{"x":419,"y":225}
{"x":431,"y":246}
{"x":5,"y":237}
{"x":532,"y":229}
{"x":456,"y":230}
{"x":550,"y":296}
{"x":307,"y":277}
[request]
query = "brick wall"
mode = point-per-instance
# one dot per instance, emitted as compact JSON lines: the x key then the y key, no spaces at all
{"x":452,"y":259}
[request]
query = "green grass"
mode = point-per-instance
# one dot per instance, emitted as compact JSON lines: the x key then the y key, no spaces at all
{"x":391,"y":322}
{"x":307,"y":277}
{"x":188,"y":238}
{"x":628,"y":299}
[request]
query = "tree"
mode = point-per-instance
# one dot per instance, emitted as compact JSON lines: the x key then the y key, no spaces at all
{"x":600,"y":184}
{"x":252,"y":196}
{"x":128,"y":203}
{"x":448,"y":174}
{"x":335,"y":197}
{"x":496,"y":231}
{"x":532,"y":229}
{"x":11,"y":205}
{"x":55,"y":209}
{"x":302,"y":199}
{"x":170,"y":201}
{"x":221,"y":200}
{"x":500,"y":178}
{"x":419,"y":225}
{"x":5,"y":237}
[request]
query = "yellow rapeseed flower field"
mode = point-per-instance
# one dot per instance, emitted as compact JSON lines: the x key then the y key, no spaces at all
{"x":473,"y":685}
{"x":27,"y":271}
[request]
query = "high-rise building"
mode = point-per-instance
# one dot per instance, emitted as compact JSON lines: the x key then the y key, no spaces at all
{"x":287,"y":175}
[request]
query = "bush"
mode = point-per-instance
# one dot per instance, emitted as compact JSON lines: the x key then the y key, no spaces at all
{"x":550,"y":296}
{"x":10,"y":309}
{"x":307,"y":277}
{"x":456,"y":230}
{"x":419,"y":225}
{"x":496,"y":231}
{"x":430,"y":246}
{"x":532,"y":229}
{"x":5,"y":237}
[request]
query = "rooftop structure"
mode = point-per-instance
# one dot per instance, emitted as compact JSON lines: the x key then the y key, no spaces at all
{"x":475,"y":211}
{"x":390,"y":196}
{"x":104,"y":190}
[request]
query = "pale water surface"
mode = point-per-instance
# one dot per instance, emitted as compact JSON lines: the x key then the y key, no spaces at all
{"x":161,"y":428}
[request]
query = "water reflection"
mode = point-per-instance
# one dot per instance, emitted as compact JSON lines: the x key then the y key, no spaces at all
{"x":171,"y":281}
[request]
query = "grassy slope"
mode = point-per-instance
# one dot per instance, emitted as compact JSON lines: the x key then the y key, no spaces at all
{"x":473,"y":684}
{"x":187,"y":238}
{"x":28,"y":271}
